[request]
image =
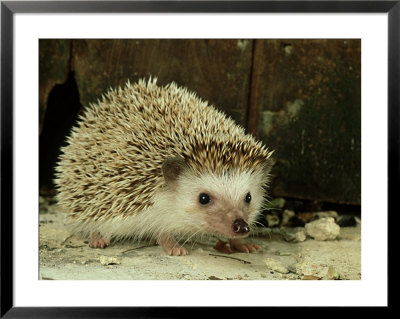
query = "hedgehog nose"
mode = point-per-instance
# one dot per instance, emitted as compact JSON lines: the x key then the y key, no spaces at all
{"x":240,"y":226}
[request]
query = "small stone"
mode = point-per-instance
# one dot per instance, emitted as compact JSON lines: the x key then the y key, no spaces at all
{"x":106,"y":260}
{"x":323,"y":229}
{"x":272,"y":219}
{"x":287,"y":215}
{"x":282,"y":253}
{"x":302,"y":268}
{"x":301,"y":236}
{"x":276,"y":265}
{"x":287,"y":235}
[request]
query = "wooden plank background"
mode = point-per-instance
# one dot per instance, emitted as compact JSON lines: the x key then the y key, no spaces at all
{"x":218,"y":71}
{"x":301,"y":97}
{"x":306,"y":104}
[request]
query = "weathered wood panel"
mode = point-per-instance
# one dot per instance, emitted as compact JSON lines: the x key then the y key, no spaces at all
{"x":302,"y":97}
{"x":54,"y":57}
{"x":308,"y":93}
{"x":218,"y":70}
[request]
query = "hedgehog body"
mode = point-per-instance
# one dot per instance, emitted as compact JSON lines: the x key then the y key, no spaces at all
{"x":159,"y":162}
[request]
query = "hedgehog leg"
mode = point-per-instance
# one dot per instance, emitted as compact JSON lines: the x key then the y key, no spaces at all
{"x":170,"y":246}
{"x":97,"y":241}
{"x":240,"y":245}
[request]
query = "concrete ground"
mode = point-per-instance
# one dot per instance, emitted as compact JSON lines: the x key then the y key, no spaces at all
{"x":66,"y":256}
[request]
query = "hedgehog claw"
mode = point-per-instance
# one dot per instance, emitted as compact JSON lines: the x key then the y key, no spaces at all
{"x":239,"y":244}
{"x":96,"y":241}
{"x":171,"y":247}
{"x":177,"y":251}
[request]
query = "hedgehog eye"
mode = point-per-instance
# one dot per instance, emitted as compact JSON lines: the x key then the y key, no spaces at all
{"x":248,"y":198}
{"x":204,"y":199}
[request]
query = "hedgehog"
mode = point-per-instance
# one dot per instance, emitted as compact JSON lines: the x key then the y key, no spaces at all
{"x":158,"y":162}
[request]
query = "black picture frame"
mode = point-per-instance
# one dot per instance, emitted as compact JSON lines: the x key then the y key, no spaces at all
{"x":9,"y":8}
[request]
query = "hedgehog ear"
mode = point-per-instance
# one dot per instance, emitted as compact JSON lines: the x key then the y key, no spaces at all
{"x":172,"y":168}
{"x":268,"y":164}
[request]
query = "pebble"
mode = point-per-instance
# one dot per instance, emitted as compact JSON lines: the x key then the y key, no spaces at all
{"x":301,"y":236}
{"x":286,"y":216}
{"x":287,"y":235}
{"x":272,"y":219}
{"x":276,"y":266}
{"x":302,"y":268}
{"x":323,"y":229}
{"x":106,"y":260}
{"x":282,"y":253}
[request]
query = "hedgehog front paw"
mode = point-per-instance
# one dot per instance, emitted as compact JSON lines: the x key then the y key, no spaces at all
{"x":171,"y":247}
{"x":240,"y":245}
{"x":97,"y":241}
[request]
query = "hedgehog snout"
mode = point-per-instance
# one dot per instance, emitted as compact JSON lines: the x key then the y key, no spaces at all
{"x":239,"y":226}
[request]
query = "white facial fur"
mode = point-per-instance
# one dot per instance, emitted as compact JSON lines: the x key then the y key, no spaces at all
{"x":227,"y":194}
